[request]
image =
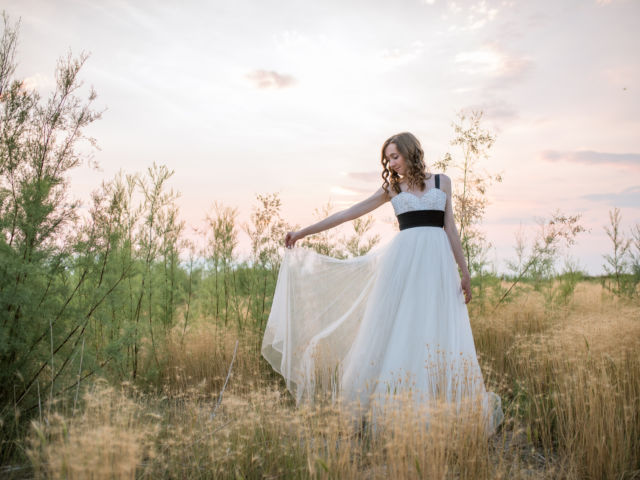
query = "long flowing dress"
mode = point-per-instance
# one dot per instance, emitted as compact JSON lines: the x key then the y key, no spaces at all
{"x":392,"y":320}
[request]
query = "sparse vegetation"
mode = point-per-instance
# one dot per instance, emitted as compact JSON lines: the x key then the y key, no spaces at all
{"x":471,"y":184}
{"x":623,"y":263}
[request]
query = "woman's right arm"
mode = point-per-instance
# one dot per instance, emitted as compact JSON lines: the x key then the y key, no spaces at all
{"x":351,"y":213}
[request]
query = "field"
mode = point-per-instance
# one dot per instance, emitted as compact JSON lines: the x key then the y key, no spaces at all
{"x":569,"y":378}
{"x":130,"y":342}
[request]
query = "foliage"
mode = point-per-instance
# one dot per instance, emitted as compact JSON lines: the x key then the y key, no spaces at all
{"x":79,"y":293}
{"x":539,"y":264}
{"x":221,"y":240}
{"x":623,"y":264}
{"x":323,"y":242}
{"x":356,"y":244}
{"x":42,"y":274}
{"x":470,"y":195}
{"x":267,"y":231}
{"x":635,"y":254}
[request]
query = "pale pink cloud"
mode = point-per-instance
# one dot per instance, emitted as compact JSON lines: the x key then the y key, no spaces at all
{"x":472,"y":15}
{"x":270,"y":79}
{"x":403,"y":54}
{"x":494,"y":61}
{"x":622,"y":76}
{"x":629,"y":197}
{"x":590,"y":157}
{"x":346,"y":191}
{"x":496,"y":109}
{"x":38,"y":81}
{"x":370,"y":176}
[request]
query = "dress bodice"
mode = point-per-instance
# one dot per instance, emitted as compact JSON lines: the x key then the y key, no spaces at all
{"x":432,"y":199}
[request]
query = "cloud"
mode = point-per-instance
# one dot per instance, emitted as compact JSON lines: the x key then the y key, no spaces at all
{"x":475,"y":14}
{"x":509,"y":220}
{"x":496,"y":109}
{"x":463,"y":89}
{"x":501,"y":67}
{"x":501,"y":70}
{"x":622,"y":76}
{"x":38,"y":81}
{"x":270,"y":79}
{"x":478,"y":61}
{"x":290,"y":38}
{"x":370,"y":176}
{"x":629,"y":197}
{"x":480,"y":14}
{"x":514,"y":66}
{"x":519,"y":26}
{"x":293,"y":40}
{"x":348,"y":191}
{"x":590,"y":157}
{"x":402,"y":55}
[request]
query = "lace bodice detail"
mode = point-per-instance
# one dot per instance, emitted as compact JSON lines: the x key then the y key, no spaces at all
{"x":432,"y":199}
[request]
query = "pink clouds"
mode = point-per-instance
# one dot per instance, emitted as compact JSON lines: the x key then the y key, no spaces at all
{"x":590,"y":157}
{"x":270,"y":79}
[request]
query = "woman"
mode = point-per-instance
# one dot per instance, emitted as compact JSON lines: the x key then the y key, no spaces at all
{"x":394,"y":320}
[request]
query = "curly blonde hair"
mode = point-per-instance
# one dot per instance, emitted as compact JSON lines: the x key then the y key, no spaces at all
{"x":411,"y":150}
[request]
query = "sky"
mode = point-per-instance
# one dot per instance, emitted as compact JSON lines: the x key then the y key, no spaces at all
{"x":244,"y":97}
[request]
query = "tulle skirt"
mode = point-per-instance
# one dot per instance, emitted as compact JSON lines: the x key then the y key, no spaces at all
{"x":370,"y":328}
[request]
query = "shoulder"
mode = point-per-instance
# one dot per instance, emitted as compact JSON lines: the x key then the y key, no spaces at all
{"x":392,"y":193}
{"x":444,"y":177}
{"x":445,"y":181}
{"x":445,"y":184}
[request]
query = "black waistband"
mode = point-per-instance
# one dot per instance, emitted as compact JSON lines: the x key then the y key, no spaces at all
{"x":421,"y":218}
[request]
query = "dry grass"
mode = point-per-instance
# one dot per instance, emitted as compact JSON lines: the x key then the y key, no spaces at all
{"x":573,"y":378}
{"x":110,"y":436}
{"x":570,"y":384}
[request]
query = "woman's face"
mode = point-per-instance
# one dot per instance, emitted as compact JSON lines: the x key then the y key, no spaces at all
{"x":396,"y":160}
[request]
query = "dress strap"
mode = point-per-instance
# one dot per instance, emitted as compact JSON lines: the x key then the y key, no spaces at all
{"x":437,"y":180}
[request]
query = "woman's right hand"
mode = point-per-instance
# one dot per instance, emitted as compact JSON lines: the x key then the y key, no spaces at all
{"x":291,"y":239}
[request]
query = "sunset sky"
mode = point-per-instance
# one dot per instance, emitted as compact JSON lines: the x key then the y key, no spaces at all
{"x":297,"y":97}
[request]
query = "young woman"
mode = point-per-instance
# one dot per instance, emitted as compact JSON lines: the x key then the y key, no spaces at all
{"x":393,"y":320}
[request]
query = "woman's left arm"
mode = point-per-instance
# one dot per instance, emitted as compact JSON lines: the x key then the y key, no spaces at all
{"x":454,"y":238}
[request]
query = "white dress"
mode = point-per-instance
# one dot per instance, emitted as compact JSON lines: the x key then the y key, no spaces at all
{"x":392,"y":320}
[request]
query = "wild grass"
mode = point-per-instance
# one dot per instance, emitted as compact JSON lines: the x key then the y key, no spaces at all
{"x":569,"y":382}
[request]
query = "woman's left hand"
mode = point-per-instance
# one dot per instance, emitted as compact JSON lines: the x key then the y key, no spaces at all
{"x":466,"y":287}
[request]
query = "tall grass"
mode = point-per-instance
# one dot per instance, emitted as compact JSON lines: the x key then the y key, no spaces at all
{"x":573,"y":378}
{"x":570,"y":385}
{"x":108,"y":438}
